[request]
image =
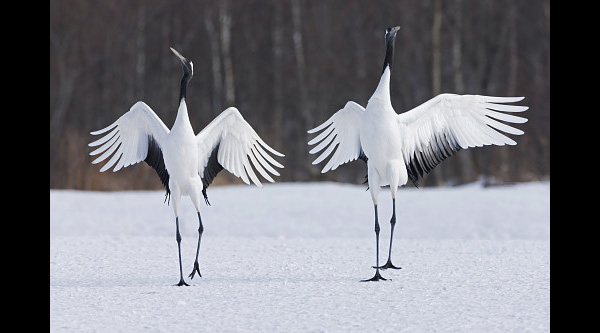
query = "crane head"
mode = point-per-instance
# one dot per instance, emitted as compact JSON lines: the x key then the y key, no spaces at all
{"x":187,"y":65}
{"x":390,"y":34}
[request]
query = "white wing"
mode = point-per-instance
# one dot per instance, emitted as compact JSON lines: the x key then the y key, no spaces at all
{"x":239,"y":149}
{"x":134,"y":136}
{"x":436,"y":129}
{"x":341,"y":130}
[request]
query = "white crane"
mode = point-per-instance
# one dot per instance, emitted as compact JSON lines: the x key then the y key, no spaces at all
{"x":399,"y":147}
{"x":186,"y":163}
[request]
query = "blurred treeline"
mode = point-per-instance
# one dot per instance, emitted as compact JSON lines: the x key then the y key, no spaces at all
{"x":288,"y":65}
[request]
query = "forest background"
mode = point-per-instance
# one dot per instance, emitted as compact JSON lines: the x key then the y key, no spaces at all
{"x":288,"y":65}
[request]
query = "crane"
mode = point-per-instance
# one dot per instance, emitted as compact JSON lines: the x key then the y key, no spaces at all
{"x":186,"y":163}
{"x":398,"y":147}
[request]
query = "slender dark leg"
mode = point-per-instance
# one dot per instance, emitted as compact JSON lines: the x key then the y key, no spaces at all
{"x":178,"y":237}
{"x":377,"y":275}
{"x":196,"y":266}
{"x":389,"y":264}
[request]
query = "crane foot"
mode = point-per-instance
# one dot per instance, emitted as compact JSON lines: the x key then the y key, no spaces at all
{"x":182,"y":283}
{"x":387,"y":265}
{"x":377,"y":277}
{"x":196,"y":269}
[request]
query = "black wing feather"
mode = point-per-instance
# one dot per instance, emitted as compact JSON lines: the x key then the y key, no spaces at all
{"x":443,"y":146}
{"x":210,"y":172}
{"x":364,"y":157}
{"x":154,"y":158}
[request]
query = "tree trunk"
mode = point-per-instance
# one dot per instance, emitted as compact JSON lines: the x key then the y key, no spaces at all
{"x":140,"y":53}
{"x":465,"y":157}
{"x":66,"y":83}
{"x":438,"y":172}
{"x":436,"y":32}
{"x":277,"y":35}
{"x":215,"y":62}
{"x":513,"y":62}
{"x":304,"y":104}
{"x":225,"y":20}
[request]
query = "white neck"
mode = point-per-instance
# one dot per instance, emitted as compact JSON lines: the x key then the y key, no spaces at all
{"x":182,"y":115}
{"x":383,"y":88}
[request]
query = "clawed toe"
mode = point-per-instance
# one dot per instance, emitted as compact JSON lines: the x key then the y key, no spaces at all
{"x":196,"y":269}
{"x":387,"y":265}
{"x":182,"y":283}
{"x":377,"y":277}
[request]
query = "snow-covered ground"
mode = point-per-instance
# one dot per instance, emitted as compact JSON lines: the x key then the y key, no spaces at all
{"x":289,"y":257}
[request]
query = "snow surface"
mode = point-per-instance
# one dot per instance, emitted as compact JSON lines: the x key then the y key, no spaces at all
{"x":289,"y":257}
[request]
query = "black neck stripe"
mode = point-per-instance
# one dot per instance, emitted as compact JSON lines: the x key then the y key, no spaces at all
{"x":389,"y":53}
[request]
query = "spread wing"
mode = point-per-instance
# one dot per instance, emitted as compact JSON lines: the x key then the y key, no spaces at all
{"x":136,"y":136}
{"x":230,"y":143}
{"x":342,"y":131}
{"x":438,"y":128}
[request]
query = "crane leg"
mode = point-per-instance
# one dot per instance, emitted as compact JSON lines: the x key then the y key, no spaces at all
{"x":377,"y":276}
{"x":389,"y":264}
{"x":178,"y":238}
{"x":196,"y":265}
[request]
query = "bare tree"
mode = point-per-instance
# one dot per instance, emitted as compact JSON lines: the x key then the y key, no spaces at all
{"x":304,"y":103}
{"x":66,"y":76}
{"x":277,"y":38}
{"x":292,"y":63}
{"x":436,"y":70}
{"x":466,"y":167}
{"x":215,"y":61}
{"x":225,"y":25}
{"x":140,"y":66}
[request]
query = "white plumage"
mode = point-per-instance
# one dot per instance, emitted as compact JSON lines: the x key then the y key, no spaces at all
{"x":238,"y":140}
{"x":399,"y":147}
{"x":446,"y":121}
{"x":241,"y":148}
{"x":185,"y":162}
{"x":130,"y":135}
{"x":344,"y":133}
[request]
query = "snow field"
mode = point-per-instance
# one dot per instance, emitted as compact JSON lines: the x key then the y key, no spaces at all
{"x":289,"y":257}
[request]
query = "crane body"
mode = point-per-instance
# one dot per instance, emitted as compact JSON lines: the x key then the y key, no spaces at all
{"x":402,"y":147}
{"x":185,"y":162}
